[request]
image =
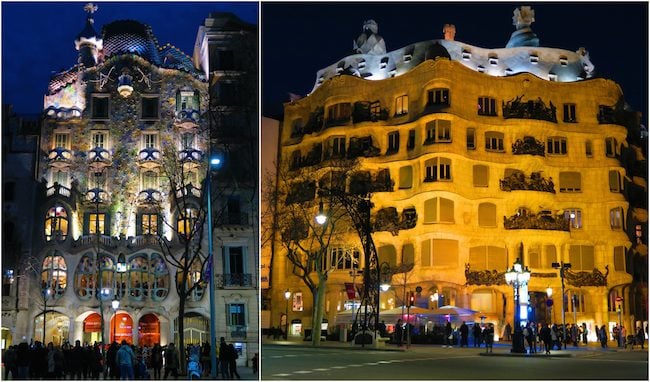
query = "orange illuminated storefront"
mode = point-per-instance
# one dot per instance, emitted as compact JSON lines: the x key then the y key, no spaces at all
{"x":149,"y":330}
{"x":122,"y":328}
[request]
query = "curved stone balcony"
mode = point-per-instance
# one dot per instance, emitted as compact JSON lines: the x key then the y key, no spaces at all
{"x":190,"y":156}
{"x":188,"y":190}
{"x":99,"y":157}
{"x":97,"y":195}
{"x":187,"y":118}
{"x":59,"y":157}
{"x":541,"y":220}
{"x":149,"y":196}
{"x":149,"y":157}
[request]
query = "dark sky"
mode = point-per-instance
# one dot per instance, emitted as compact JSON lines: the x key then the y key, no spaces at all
{"x":38,"y":38}
{"x":298,"y":40}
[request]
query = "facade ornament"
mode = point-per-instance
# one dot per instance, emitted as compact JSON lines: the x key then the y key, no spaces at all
{"x":523,"y":35}
{"x":485,"y":277}
{"x":523,"y":17}
{"x":90,"y":8}
{"x":449,"y":31}
{"x":587,"y":65}
{"x":369,"y":42}
{"x":593,"y":278}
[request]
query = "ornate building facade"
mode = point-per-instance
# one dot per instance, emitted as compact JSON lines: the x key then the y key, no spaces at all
{"x":120,"y":208}
{"x":475,"y":158}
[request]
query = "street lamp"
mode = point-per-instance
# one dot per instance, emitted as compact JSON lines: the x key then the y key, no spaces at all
{"x":549,"y":304}
{"x":517,"y":277}
{"x":287,"y":296}
{"x":214,"y":163}
{"x":562,"y":266}
{"x":116,"y":305}
{"x":321,"y":218}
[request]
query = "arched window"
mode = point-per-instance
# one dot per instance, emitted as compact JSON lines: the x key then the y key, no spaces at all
{"x":120,"y":281}
{"x":56,"y":223}
{"x":54,"y":275}
{"x":160,"y":279}
{"x":106,"y":277}
{"x":139,"y":277}
{"x":84,"y":283}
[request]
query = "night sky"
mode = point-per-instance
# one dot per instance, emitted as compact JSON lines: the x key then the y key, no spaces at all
{"x":38,"y":38}
{"x":298,"y":40}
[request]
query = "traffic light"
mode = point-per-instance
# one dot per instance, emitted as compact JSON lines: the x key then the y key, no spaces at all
{"x":411,"y":299}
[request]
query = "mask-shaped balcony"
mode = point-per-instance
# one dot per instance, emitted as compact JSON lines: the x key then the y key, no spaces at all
{"x":187,"y":118}
{"x":188,"y":190}
{"x":59,"y":157}
{"x":149,"y":196}
{"x":149,"y":157}
{"x":58,"y":190}
{"x":99,"y":157}
{"x":97,"y":195}
{"x":190,"y":156}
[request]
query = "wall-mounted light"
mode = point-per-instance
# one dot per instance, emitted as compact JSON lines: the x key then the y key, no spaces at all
{"x":125,"y":83}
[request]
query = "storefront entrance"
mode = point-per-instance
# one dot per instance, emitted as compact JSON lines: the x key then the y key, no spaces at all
{"x":122,"y":328}
{"x":56,"y":328}
{"x":92,"y":329}
{"x":149,"y":330}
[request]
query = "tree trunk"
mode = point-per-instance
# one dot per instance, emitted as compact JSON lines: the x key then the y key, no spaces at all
{"x":319,"y":304}
{"x":181,"y":332}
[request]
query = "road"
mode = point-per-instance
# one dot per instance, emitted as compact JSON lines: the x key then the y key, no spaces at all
{"x":436,"y":363}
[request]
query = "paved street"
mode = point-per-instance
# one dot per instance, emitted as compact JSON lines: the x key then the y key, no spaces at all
{"x":289,"y":361}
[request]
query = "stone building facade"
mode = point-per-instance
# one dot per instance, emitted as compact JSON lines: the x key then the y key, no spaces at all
{"x":476,"y":158}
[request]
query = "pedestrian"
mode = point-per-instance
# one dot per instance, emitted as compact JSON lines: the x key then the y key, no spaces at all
{"x":545,"y":335}
{"x":23,"y":360}
{"x":616,"y":331}
{"x":233,"y":355}
{"x":255,"y":361}
{"x":224,"y":359}
{"x":125,"y":360}
{"x":156,"y":360}
{"x":171,"y":361}
{"x":399,"y":333}
{"x":464,"y":332}
{"x":539,"y":336}
{"x":621,"y":342}
{"x":205,"y":358}
{"x":528,"y":335}
{"x":603,"y":336}
{"x":574,"y":334}
{"x":477,"y":332}
{"x":114,"y":372}
{"x":640,"y":337}
{"x":9,"y":359}
{"x":555,"y":337}
{"x":488,"y":335}
{"x":508,"y":332}
{"x":584,"y":333}
{"x":194,"y":369}
{"x":449,"y":335}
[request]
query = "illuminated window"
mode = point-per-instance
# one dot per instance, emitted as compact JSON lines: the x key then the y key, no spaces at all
{"x":487,"y":215}
{"x":556,"y":145}
{"x":149,"y":180}
{"x":616,"y":218}
{"x":570,"y":113}
{"x":485,"y":257}
{"x":438,"y":210}
{"x":487,"y":106}
{"x":54,"y":275}
{"x":85,"y":278}
{"x":193,"y":278}
{"x":410,"y":145}
{"x":62,"y":140}
{"x":149,"y":224}
{"x":96,"y":223}
{"x":297,"y":305}
{"x":611,"y":148}
{"x":149,"y":140}
{"x":438,"y":97}
{"x":437,"y":169}
{"x":619,"y":259}
{"x":439,"y":253}
{"x":56,"y":223}
{"x":236,"y":315}
{"x":99,"y":139}
{"x":186,"y":224}
{"x":581,"y":257}
{"x":574,"y":217}
{"x":589,"y":151}
{"x":494,"y":141}
{"x":471,"y":139}
{"x":570,"y":181}
{"x":393,"y":142}
{"x":138,"y":281}
{"x":638,"y":233}
{"x":341,"y":258}
{"x":615,"y":181}
{"x":401,"y":105}
{"x":187,"y":100}
{"x":438,"y":131}
{"x":480,"y":175}
{"x":149,"y":107}
{"x":160,"y":283}
{"x":99,"y":106}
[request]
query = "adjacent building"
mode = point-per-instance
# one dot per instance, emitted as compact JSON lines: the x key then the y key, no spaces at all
{"x":119,"y":227}
{"x":475,"y":158}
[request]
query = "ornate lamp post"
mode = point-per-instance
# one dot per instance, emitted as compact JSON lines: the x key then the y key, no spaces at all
{"x":517,"y":277}
{"x":562,"y":266}
{"x":214,"y":163}
{"x":287,"y":296}
{"x":116,"y":305}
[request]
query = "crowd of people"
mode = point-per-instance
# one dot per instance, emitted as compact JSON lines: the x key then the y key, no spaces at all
{"x":118,"y":361}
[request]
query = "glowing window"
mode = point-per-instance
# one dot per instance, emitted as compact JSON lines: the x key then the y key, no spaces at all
{"x":56,"y":223}
{"x":574,"y":217}
{"x":494,"y":141}
{"x":186,"y":223}
{"x":149,"y":224}
{"x":54,"y":275}
{"x":556,"y":145}
{"x":96,"y":223}
{"x":401,"y":105}
{"x":487,"y":106}
{"x":616,"y":218}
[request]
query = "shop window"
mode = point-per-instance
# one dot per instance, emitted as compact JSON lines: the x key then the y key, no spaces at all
{"x":494,"y":141}
{"x":570,"y":181}
{"x":401,"y":105}
{"x":615,"y":181}
{"x":619,"y":259}
{"x":570,"y":113}
{"x":616,"y":218}
{"x":439,"y":210}
{"x":149,"y":107}
{"x":100,"y":106}
{"x":56,"y":223}
{"x":437,"y":169}
{"x":297,"y":302}
{"x":487,"y":106}
{"x":574,"y":217}
{"x":480,"y":175}
{"x":487,"y":215}
{"x":556,"y":145}
{"x":406,"y":177}
{"x":581,"y":258}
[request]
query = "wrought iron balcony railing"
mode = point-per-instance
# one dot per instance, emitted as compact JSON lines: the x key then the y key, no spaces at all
{"x":190,"y":155}
{"x":238,"y":331}
{"x":149,"y":156}
{"x":234,"y":280}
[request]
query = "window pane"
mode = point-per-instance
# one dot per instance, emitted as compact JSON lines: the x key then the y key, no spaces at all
{"x":480,"y":176}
